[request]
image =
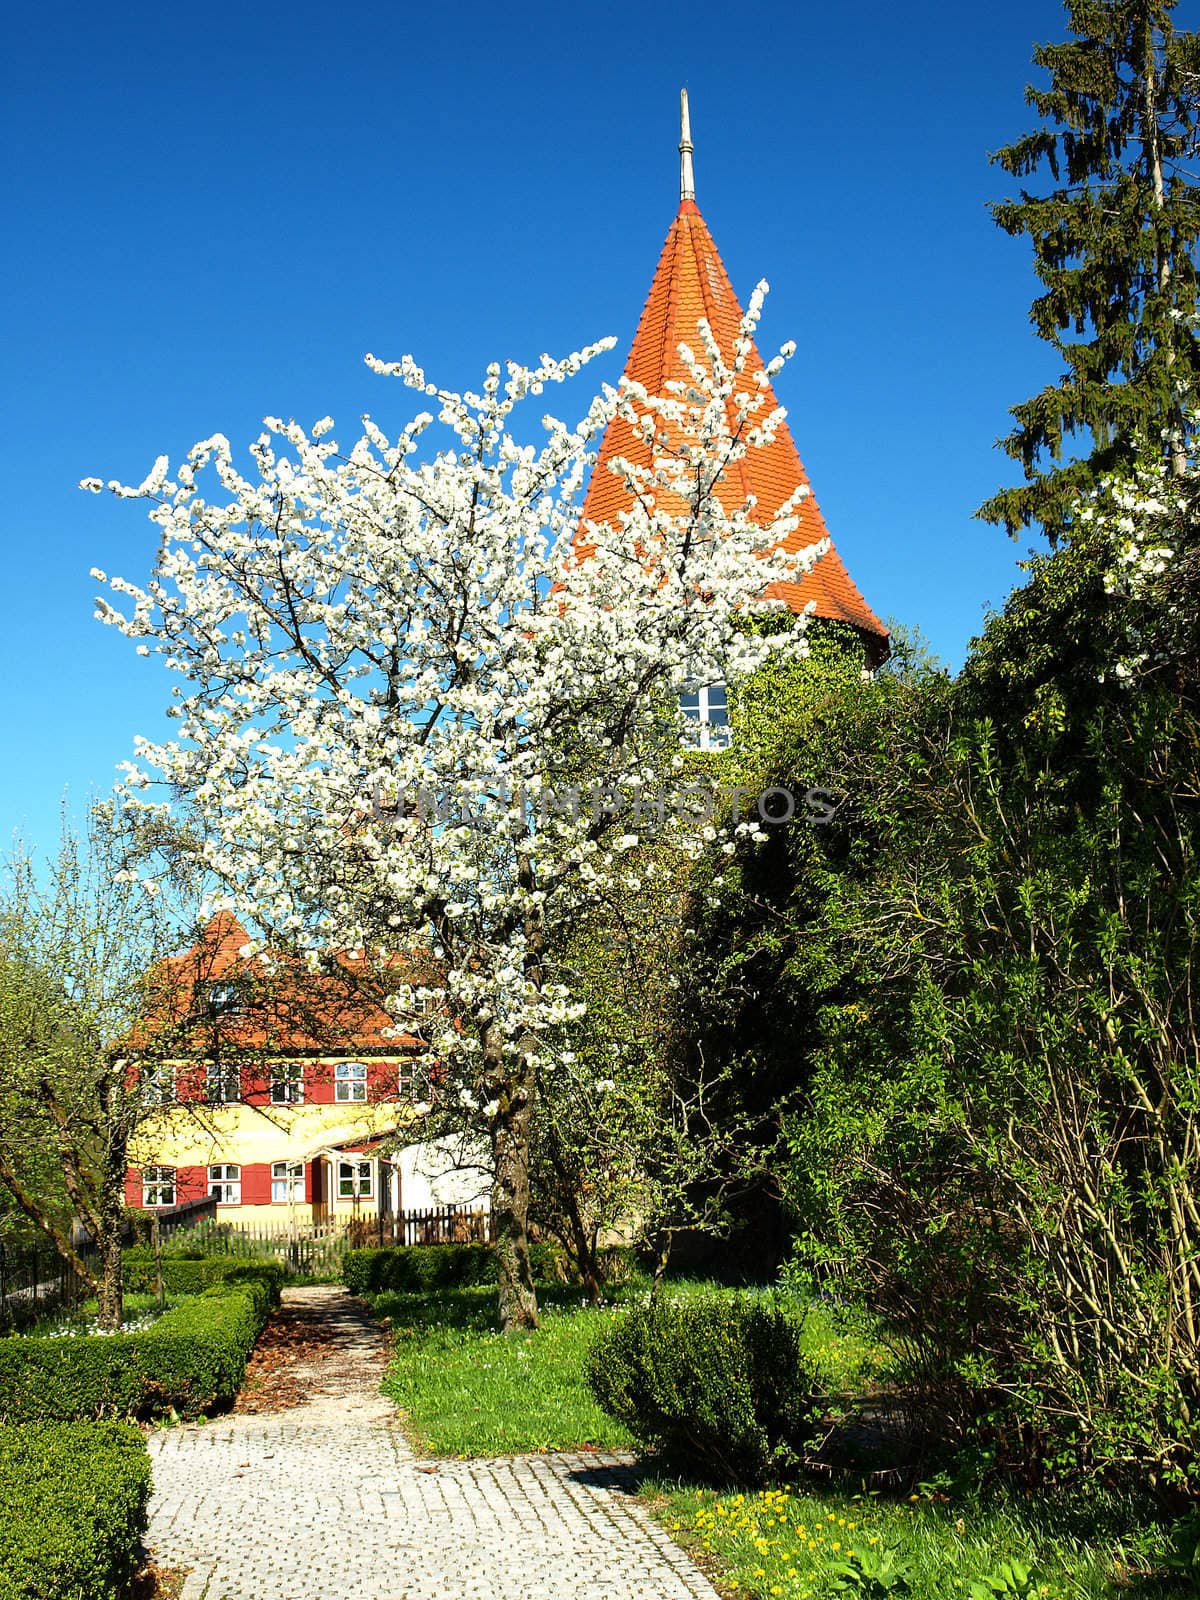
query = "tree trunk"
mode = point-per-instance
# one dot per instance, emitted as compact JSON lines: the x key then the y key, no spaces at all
{"x":1152,"y":148}
{"x":510,"y":1206}
{"x":662,"y":1257}
{"x":577,"y":1239}
{"x":587,"y":1257}
{"x":112,"y":1216}
{"x":40,"y":1217}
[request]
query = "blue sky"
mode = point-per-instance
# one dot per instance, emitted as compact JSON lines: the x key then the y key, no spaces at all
{"x":212,"y":213}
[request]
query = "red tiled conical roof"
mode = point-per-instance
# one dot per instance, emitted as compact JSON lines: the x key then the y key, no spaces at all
{"x":691,"y":283}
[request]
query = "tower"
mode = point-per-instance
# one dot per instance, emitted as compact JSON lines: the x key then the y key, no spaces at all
{"x":691,"y":283}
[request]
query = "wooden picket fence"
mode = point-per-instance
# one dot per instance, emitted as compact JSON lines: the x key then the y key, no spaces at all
{"x":438,"y":1225}
{"x":317,"y":1248}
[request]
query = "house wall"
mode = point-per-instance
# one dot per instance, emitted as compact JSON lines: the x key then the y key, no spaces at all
{"x":254,"y":1137}
{"x":193,"y":1138}
{"x":436,"y":1174}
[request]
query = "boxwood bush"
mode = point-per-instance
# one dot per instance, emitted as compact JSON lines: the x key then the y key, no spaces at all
{"x":191,"y":1361}
{"x":72,"y":1510}
{"x":408,"y":1269}
{"x":717,"y":1384}
{"x":415,"y":1268}
{"x":186,"y":1275}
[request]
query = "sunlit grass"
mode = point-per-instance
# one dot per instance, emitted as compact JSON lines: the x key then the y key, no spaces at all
{"x":802,"y":1544}
{"x":466,"y":1390}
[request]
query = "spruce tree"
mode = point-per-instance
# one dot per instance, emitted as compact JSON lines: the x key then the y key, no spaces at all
{"x":1114,"y":245}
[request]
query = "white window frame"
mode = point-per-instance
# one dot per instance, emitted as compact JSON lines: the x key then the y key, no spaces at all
{"x":222,"y":1083}
{"x":287,"y":1177}
{"x":225,"y":1183}
{"x":157,"y":1084}
{"x":700,"y":732}
{"x":287,"y":1083}
{"x":159,"y":1189}
{"x":224,"y":1000}
{"x":361,"y":1182}
{"x":350,"y":1075}
{"x":412,"y":1078}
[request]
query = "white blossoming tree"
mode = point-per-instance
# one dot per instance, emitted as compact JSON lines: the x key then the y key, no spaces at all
{"x":398,"y":663}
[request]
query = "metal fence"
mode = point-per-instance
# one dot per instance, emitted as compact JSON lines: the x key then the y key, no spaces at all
{"x":34,"y":1277}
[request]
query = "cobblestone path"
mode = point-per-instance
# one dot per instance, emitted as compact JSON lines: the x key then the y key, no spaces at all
{"x":325,"y":1501}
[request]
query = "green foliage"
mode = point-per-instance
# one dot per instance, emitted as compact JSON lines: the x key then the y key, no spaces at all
{"x":185,"y":1275}
{"x":1183,"y":1553}
{"x":874,"y":1572}
{"x":765,"y":966}
{"x":969,"y":997}
{"x":73,"y":1501}
{"x":995,"y":1146}
{"x":717,"y":1384}
{"x":190,"y":1362}
{"x":1011,"y":1579}
{"x":814,"y":1541}
{"x":411,"y":1269}
{"x":1114,"y":245}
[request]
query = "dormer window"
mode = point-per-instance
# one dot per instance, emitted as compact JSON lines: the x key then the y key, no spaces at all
{"x":706,"y":717}
{"x":223,"y":999}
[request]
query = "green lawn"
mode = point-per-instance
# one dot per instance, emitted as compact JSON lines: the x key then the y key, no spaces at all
{"x":467,"y":1390}
{"x":797,"y":1544}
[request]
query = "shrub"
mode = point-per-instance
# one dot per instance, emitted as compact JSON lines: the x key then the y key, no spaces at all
{"x":716,"y":1384}
{"x":407,"y":1269}
{"x":191,"y":1361}
{"x":72,"y":1510}
{"x":413,"y":1268}
{"x":187,"y":1275}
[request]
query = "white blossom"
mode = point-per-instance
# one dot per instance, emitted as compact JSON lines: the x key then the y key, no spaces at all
{"x":351,"y":630}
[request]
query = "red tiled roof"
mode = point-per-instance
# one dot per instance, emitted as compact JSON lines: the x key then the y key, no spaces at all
{"x":281,"y":1004}
{"x":691,"y":283}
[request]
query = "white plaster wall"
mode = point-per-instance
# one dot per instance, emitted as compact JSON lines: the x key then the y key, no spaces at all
{"x":442,"y":1173}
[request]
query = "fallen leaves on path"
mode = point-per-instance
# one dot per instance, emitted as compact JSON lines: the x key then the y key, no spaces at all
{"x":283,"y":1370}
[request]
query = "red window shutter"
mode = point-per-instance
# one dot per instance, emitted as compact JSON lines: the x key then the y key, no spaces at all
{"x":318,"y":1083}
{"x":256,"y":1184}
{"x":133,"y":1187}
{"x":191,"y":1183}
{"x":382,"y":1081}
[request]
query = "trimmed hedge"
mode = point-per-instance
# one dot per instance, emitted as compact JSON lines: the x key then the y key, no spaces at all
{"x":409,"y":1269}
{"x":186,"y":1275}
{"x":718,"y":1385}
{"x":415,"y":1268}
{"x":73,"y":1502}
{"x":190,"y":1362}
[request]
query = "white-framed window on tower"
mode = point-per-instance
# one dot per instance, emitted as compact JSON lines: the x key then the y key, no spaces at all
{"x":706,"y":717}
{"x":287,"y":1083}
{"x":350,"y":1081}
{"x":222,"y":1083}
{"x":157,"y":1083}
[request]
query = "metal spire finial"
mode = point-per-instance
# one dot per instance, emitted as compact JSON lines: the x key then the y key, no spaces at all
{"x":687,"y":178}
